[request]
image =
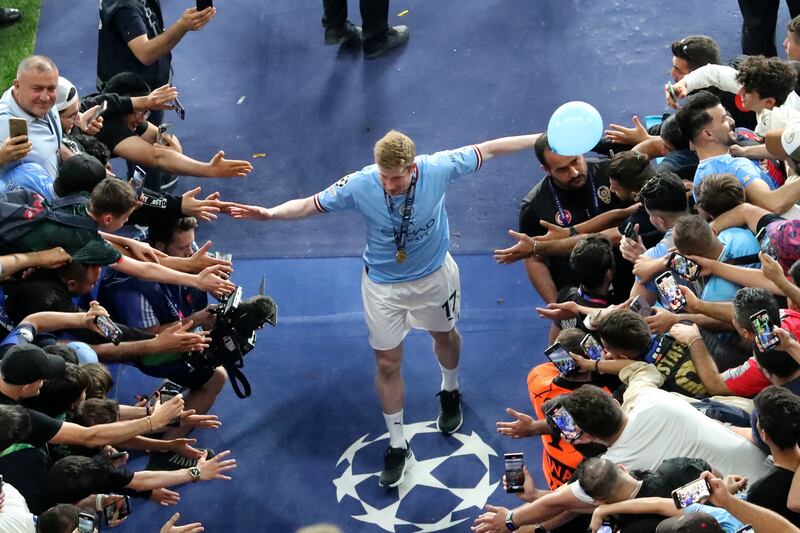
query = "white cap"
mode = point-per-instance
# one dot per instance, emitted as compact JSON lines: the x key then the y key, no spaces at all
{"x":66,"y":94}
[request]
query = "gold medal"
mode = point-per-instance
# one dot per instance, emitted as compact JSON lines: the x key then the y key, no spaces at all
{"x":400,"y":256}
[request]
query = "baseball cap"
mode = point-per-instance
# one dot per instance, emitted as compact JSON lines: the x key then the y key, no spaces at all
{"x":24,"y":364}
{"x":785,"y":143}
{"x":698,"y":522}
{"x":79,"y":173}
{"x":66,"y":94}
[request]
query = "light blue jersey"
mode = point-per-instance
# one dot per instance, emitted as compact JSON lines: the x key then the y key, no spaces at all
{"x":428,"y":232}
{"x":745,"y":170}
{"x":737,"y":242}
{"x":31,"y":177}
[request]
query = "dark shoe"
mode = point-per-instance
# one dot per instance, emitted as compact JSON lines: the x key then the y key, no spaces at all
{"x":395,"y":463}
{"x":9,"y":15}
{"x":160,"y":461}
{"x":450,"y":417}
{"x":396,"y":36}
{"x":342,"y":35}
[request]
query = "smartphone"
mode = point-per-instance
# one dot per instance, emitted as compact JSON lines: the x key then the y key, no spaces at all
{"x":672,"y":92}
{"x":17,"y":127}
{"x":691,"y":493}
{"x":117,"y":510}
{"x":669,"y":294}
{"x":109,"y":329}
{"x":86,"y":523}
{"x":630,"y":231}
{"x":167,"y":128}
{"x":640,"y":306}
{"x":560,"y":357}
{"x":592,"y":348}
{"x":100,"y":111}
{"x":684,"y":267}
{"x":762,"y":327}
{"x":559,"y":417}
{"x":178,"y":107}
{"x":166,"y":392}
{"x":765,"y":244}
{"x":137,"y":181}
{"x":1,"y":484}
{"x":202,"y":4}
{"x":746,"y":529}
{"x":515,"y":477}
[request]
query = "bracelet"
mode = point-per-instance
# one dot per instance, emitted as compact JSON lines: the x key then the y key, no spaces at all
{"x":534,"y":248}
{"x":689,"y":346}
{"x":572,"y":231}
{"x":98,"y":502}
{"x":149,"y":424}
{"x":596,"y":366}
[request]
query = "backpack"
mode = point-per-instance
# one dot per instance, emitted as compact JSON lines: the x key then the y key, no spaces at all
{"x":21,"y":210}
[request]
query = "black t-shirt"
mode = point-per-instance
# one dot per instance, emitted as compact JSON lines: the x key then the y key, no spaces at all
{"x":26,"y":469}
{"x":121,"y":21}
{"x":115,"y":131}
{"x":771,"y":492}
{"x":582,"y":297}
{"x":43,"y":428}
{"x":660,"y":483}
{"x":577,"y":206}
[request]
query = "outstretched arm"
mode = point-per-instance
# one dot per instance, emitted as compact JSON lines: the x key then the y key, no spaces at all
{"x":507,"y":145}
{"x":291,"y":210}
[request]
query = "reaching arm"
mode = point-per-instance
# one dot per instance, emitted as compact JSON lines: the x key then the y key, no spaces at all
{"x":291,"y":210}
{"x":778,"y":201}
{"x":760,"y":518}
{"x":52,"y":258}
{"x":745,"y":214}
{"x":721,"y":76}
{"x":208,"y":280}
{"x":706,"y":368}
{"x":507,"y":145}
{"x":661,"y":506}
{"x":148,"y":51}
{"x":139,"y":151}
{"x":541,"y":279}
{"x":209,"y":469}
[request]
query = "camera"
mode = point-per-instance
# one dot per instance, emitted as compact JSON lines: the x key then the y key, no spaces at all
{"x":234,"y":335}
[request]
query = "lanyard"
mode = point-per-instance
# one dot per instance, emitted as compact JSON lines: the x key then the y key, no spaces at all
{"x":590,"y":299}
{"x":400,"y":238}
{"x":557,"y":200}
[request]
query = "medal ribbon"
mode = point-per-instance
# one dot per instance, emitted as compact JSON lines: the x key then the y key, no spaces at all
{"x":400,"y":238}
{"x":557,"y":200}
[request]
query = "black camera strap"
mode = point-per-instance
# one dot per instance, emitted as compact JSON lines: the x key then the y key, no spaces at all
{"x":237,"y":377}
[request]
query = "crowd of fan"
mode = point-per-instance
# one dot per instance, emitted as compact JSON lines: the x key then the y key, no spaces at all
{"x":693,"y":382}
{"x":99,"y":268}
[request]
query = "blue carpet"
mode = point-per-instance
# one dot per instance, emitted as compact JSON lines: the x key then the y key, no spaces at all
{"x":257,"y":80}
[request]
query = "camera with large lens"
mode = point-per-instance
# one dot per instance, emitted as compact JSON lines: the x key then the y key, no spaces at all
{"x":234,"y":335}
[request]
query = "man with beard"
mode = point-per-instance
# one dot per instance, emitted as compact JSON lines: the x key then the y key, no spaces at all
{"x":710,"y":129}
{"x":574,"y":190}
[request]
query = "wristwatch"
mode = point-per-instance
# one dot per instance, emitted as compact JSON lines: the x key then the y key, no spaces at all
{"x":510,"y":521}
{"x":572,"y":231}
{"x":194,"y":473}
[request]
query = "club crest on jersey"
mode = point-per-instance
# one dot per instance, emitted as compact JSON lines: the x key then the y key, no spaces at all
{"x":564,"y":220}
{"x":604,"y":193}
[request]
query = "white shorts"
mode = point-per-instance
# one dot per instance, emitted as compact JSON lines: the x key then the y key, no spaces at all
{"x":432,"y":303}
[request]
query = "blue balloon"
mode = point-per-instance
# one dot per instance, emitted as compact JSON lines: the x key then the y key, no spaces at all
{"x":574,"y":129}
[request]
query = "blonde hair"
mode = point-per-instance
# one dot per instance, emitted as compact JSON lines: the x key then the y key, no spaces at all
{"x":395,"y":150}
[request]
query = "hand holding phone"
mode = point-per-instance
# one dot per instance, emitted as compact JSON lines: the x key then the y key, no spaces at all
{"x":515,"y":476}
{"x":117,"y":510}
{"x":137,"y":182}
{"x":98,"y":113}
{"x":109,"y":329}
{"x":765,"y":337}
{"x":684,"y":267}
{"x":559,"y":356}
{"x":561,"y":419}
{"x":640,"y":306}
{"x":671,"y":297}
{"x":765,"y":244}
{"x":630,"y":231}
{"x":86,"y":523}
{"x":17,"y":127}
{"x":166,"y":392}
{"x":164,"y":130}
{"x":592,"y":348}
{"x":690,"y":493}
{"x":203,"y":4}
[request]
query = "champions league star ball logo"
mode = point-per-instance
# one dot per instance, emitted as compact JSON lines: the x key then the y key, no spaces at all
{"x":428,"y":482}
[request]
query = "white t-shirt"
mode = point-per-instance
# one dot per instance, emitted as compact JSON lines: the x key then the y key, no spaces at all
{"x":661,"y":426}
{"x":15,"y":516}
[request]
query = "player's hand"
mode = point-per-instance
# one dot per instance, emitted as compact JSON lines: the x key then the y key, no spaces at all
{"x":622,"y":135}
{"x":521,"y":427}
{"x":253,"y":212}
{"x":522,"y":249}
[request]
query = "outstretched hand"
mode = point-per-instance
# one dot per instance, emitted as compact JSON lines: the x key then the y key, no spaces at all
{"x":219,"y":167}
{"x":253,"y":212}
{"x":522,"y":249}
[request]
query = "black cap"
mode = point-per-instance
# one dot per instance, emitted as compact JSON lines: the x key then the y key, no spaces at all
{"x":24,"y":364}
{"x":127,"y":84}
{"x":698,"y":522}
{"x":79,"y":173}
